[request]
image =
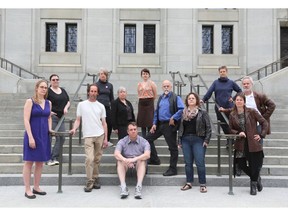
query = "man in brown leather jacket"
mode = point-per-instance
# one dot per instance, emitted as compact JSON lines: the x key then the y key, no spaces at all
{"x":258,"y":101}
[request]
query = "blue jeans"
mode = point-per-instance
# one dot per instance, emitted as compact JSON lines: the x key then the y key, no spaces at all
{"x":59,"y":139}
{"x":193,"y":149}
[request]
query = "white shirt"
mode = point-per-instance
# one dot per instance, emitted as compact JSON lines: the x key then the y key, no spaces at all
{"x":250,"y":102}
{"x":91,"y":114}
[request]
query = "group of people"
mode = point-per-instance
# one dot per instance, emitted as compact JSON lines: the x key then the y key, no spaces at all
{"x":248,"y":115}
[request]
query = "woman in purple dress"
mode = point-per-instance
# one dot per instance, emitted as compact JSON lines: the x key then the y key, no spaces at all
{"x":37,"y":147}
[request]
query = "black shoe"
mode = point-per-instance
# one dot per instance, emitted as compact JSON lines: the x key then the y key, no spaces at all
{"x":86,"y":189}
{"x":238,"y":170}
{"x":170,"y":172}
{"x":30,"y":197}
{"x":253,"y":186}
{"x":154,"y":162}
{"x":38,"y":192}
{"x":259,"y":184}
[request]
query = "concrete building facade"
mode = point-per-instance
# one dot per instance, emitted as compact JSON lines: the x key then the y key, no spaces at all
{"x":192,"y":41}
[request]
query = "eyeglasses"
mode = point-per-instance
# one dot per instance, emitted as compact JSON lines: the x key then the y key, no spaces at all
{"x":54,"y":79}
{"x":43,"y":87}
{"x":166,"y":86}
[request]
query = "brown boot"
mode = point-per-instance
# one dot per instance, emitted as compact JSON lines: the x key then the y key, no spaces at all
{"x":89,"y":186}
{"x":96,"y":184}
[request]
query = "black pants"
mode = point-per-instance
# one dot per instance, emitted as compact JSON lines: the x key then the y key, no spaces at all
{"x":144,"y":131}
{"x":224,"y":125}
{"x":122,"y":132}
{"x":255,"y":161}
{"x":109,"y":122}
{"x":169,"y":134}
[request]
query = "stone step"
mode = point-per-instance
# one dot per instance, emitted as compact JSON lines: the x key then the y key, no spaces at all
{"x":278,"y":135}
{"x":108,"y":168}
{"x":5,"y":142}
{"x":149,"y":180}
{"x":109,"y":158}
{"x":161,"y":149}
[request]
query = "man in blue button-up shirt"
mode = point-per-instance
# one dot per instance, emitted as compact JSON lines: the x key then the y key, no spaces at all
{"x":166,"y":116}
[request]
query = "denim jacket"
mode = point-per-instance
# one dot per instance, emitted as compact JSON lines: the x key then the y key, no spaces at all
{"x":203,"y":126}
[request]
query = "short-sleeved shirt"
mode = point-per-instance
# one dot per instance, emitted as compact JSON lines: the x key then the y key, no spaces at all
{"x":131,"y":149}
{"x":91,"y":114}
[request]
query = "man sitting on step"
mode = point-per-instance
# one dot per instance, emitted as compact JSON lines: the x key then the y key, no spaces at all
{"x":132,"y":152}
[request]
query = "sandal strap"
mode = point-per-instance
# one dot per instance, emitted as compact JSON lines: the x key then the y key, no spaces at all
{"x":186,"y":185}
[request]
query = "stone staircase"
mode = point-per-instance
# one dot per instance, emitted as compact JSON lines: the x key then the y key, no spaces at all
{"x":274,"y":172}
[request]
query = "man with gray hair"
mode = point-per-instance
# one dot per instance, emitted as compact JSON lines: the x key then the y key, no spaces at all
{"x":166,"y":119}
{"x":258,"y":101}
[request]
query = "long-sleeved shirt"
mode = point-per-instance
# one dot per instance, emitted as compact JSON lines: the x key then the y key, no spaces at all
{"x":105,"y":93}
{"x":164,"y":109}
{"x":223,"y":88}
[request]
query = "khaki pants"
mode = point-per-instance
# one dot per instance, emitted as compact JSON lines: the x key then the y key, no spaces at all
{"x":93,"y":151}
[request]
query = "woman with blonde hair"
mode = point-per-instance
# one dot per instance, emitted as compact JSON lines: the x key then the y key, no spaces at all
{"x":37,"y":147}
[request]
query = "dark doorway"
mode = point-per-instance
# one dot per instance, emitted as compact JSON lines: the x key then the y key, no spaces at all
{"x":284,"y":45}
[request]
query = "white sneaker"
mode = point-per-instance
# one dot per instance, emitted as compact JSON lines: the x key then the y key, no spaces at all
{"x":110,"y":144}
{"x":52,"y":162}
{"x":138,"y":192}
{"x":124,"y":192}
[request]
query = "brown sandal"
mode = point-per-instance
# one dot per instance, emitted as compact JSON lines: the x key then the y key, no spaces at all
{"x":186,"y":187}
{"x":203,"y":189}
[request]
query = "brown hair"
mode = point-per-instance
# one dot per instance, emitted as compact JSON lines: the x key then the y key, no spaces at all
{"x":89,"y":87}
{"x":131,"y":123}
{"x":223,"y":67}
{"x":196,"y":96}
{"x":52,"y":76}
{"x":242,"y":95}
{"x":146,"y":71}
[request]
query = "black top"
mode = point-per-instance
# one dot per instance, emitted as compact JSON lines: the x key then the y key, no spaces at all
{"x":105,"y":93}
{"x":190,"y":126}
{"x":121,"y":114}
{"x":58,"y":101}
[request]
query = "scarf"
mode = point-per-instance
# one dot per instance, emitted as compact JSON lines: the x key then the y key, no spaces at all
{"x":189,"y":114}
